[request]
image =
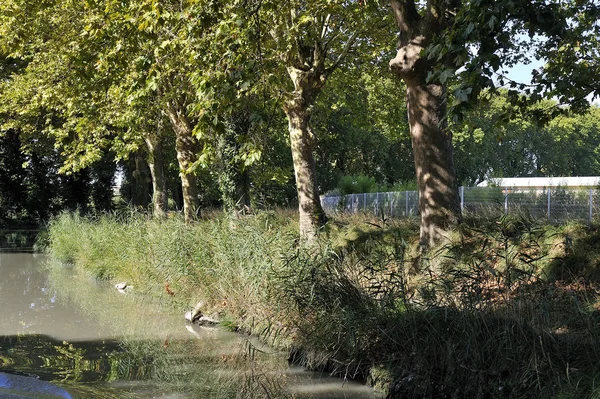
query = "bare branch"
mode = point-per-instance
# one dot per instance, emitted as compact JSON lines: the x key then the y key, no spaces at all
{"x":325,"y":26}
{"x":342,"y":55}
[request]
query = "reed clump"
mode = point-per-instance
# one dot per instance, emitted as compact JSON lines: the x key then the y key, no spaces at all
{"x":505,"y":307}
{"x":223,"y":262}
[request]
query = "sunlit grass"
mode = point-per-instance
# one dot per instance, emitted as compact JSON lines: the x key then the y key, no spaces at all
{"x":224,"y":262}
{"x":503,"y":307}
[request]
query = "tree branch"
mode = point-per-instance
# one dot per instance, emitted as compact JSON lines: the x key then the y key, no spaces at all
{"x":325,"y":26}
{"x":406,"y":14}
{"x":343,"y":54}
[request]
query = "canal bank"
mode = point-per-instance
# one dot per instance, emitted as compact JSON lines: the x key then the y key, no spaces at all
{"x":60,"y":326}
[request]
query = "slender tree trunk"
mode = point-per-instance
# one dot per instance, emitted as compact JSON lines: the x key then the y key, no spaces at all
{"x":227,"y":175}
{"x":439,"y":205}
{"x":187,"y":153}
{"x":157,"y":171}
{"x":302,"y":141}
{"x":141,"y":189}
{"x":244,"y":188}
{"x":233,"y":179}
{"x":177,"y":195}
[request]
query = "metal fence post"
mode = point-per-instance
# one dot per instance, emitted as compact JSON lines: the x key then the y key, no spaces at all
{"x":377,"y":204}
{"x":506,"y":202}
{"x":365,"y":201}
{"x":406,"y":203}
{"x":591,"y":203}
{"x":548,"y":204}
{"x":462,"y":198}
{"x":391,"y":200}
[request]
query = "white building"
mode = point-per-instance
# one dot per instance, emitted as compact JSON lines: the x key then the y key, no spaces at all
{"x":533,"y":183}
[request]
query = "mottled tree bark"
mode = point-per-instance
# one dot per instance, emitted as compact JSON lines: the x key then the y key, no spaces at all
{"x":298,"y":109}
{"x":439,"y":204}
{"x":157,"y":172}
{"x":187,"y":154}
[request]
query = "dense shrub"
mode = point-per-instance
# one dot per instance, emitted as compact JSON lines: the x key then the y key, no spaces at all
{"x":357,"y":184}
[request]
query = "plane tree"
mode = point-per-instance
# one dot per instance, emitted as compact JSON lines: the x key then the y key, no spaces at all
{"x":448,"y":52}
{"x":62,"y":92}
{"x":120,"y":75}
{"x":303,"y":43}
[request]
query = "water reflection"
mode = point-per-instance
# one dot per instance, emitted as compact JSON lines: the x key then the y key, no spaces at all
{"x":30,"y":306}
{"x":18,"y":240}
{"x":87,"y":338}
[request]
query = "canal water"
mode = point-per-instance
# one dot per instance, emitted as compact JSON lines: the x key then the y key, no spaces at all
{"x":64,"y":335}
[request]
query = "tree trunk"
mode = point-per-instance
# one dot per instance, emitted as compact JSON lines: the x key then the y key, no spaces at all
{"x":141,"y":189}
{"x":177,"y":195}
{"x":233,"y":178}
{"x":439,"y":204}
{"x":302,"y":141}
{"x":227,"y":174}
{"x":187,"y":153}
{"x":157,"y":171}
{"x":426,"y":103}
{"x":244,"y":188}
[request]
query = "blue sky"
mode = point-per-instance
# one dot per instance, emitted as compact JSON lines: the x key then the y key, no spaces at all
{"x":522,"y":73}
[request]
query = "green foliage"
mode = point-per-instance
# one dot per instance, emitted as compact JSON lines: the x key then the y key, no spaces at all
{"x":511,"y":32}
{"x":573,"y":60}
{"x":31,"y":189}
{"x":362,"y":128}
{"x":357,"y":184}
{"x":365,"y":184}
{"x":410,"y":185}
{"x":488,"y":145}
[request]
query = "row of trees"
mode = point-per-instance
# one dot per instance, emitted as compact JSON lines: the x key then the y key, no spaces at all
{"x":489,"y":146}
{"x":213,"y":81}
{"x":31,"y":189}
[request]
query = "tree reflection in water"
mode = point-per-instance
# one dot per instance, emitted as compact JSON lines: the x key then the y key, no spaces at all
{"x":140,"y":346}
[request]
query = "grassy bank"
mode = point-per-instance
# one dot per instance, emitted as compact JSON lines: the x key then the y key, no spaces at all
{"x":505,"y":307}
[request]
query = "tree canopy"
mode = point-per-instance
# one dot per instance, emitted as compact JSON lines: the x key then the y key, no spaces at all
{"x":202,"y":91}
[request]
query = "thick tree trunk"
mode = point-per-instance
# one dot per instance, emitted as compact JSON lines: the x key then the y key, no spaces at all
{"x":302,"y":140}
{"x":157,"y":172}
{"x":439,"y":205}
{"x":187,"y":153}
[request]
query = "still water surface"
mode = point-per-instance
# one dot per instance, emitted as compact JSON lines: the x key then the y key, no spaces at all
{"x":85,"y":337}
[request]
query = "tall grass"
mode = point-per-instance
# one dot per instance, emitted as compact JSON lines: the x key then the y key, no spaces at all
{"x":503,"y":308}
{"x":479,"y":317}
{"x":224,"y":262}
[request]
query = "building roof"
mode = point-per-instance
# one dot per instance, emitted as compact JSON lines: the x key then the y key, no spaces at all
{"x":584,"y":181}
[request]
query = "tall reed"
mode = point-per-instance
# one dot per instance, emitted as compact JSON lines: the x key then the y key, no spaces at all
{"x":505,"y":307}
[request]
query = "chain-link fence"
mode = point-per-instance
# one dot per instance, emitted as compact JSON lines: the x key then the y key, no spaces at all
{"x":554,"y":204}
